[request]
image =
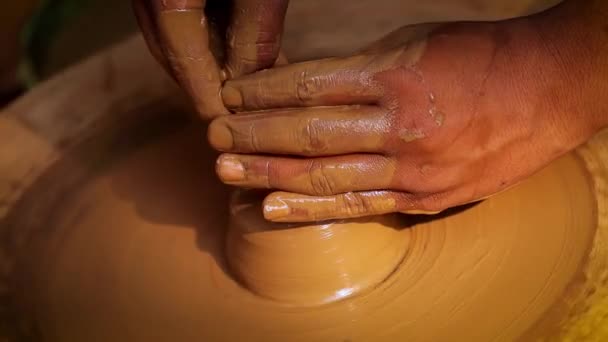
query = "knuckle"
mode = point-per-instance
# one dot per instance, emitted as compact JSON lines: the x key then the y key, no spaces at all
{"x":355,"y":205}
{"x":304,"y":86}
{"x":243,"y":135}
{"x":270,"y":174}
{"x":309,"y":136}
{"x":266,"y":54}
{"x":320,"y":183}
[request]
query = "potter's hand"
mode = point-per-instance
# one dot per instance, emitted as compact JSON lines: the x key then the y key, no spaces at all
{"x":458,"y":113}
{"x":186,"y":37}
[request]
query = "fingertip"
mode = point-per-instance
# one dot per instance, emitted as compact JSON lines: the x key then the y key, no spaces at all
{"x":219,"y":135}
{"x":275,"y":209}
{"x":230,"y":169}
{"x":231,"y":96}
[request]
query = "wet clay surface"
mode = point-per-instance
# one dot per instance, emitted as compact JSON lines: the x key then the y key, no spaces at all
{"x":138,"y":254}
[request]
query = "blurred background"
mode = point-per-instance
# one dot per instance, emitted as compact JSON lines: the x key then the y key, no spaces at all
{"x":41,"y":37}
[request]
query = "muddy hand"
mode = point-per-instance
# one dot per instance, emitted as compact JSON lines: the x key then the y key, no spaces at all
{"x":458,"y":113}
{"x":200,"y":43}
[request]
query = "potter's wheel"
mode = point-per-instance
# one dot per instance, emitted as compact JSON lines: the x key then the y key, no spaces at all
{"x":116,"y":231}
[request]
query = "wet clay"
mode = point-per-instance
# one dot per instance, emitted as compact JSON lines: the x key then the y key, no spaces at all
{"x":309,"y":264}
{"x":138,"y":253}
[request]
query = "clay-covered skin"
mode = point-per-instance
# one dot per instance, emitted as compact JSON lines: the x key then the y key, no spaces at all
{"x":431,"y":117}
{"x":201,"y":43}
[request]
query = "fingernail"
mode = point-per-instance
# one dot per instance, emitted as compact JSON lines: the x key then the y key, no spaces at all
{"x":219,"y":135}
{"x":230,"y":169}
{"x":275,"y":209}
{"x":232,"y":97}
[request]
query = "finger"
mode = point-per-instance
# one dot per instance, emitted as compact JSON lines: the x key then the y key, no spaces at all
{"x":326,"y":82}
{"x":146,"y":23}
{"x":307,"y":132}
{"x":318,"y":176}
{"x":254,"y":35}
{"x":290,"y":207}
{"x":184,"y":34}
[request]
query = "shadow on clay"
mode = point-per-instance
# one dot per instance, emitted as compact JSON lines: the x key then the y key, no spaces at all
{"x":172,"y":183}
{"x":172,"y":186}
{"x":409,"y":221}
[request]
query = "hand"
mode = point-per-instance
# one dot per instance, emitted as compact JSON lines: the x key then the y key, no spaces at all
{"x":432,"y":117}
{"x":187,"y":38}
